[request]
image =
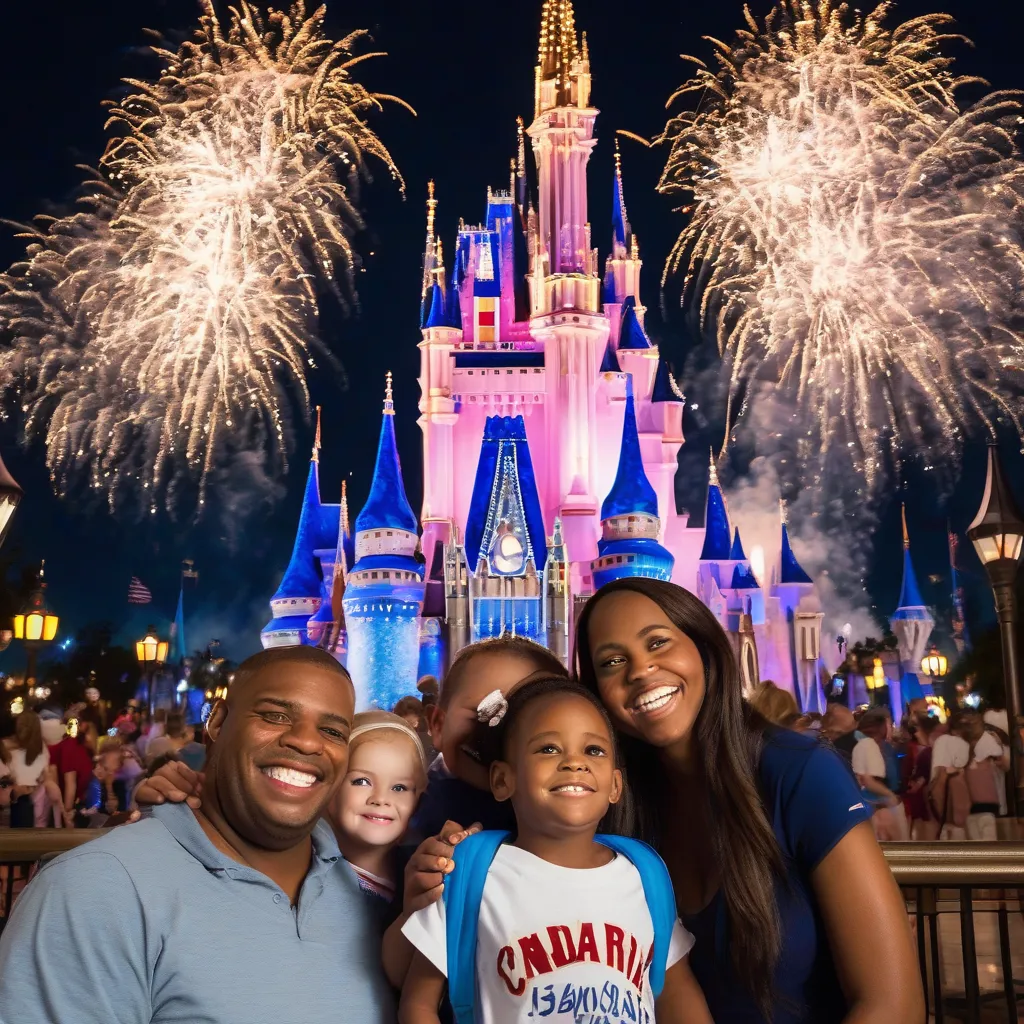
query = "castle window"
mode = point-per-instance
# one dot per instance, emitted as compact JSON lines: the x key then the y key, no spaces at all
{"x":377,"y":534}
{"x":618,"y":561}
{"x":631,"y":559}
{"x":373,"y":575}
{"x":386,"y":575}
{"x":524,"y":370}
{"x":389,"y":533}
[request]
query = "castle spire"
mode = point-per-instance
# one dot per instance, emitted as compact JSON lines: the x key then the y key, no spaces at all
{"x":906,"y":535}
{"x":717,"y":533}
{"x":521,"y":166}
{"x":622,"y":233}
{"x":558,"y":43}
{"x":791,"y":570}
{"x":316,"y":437}
{"x":429,"y":255}
{"x":387,"y":507}
{"x":910,"y":592}
{"x":631,"y":491}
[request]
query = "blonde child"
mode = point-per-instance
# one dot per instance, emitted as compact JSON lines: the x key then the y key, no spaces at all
{"x":556,"y":922}
{"x":372,"y":809}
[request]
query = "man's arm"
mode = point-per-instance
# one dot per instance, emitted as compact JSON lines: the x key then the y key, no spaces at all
{"x":58,"y":964}
{"x":681,"y":1000}
{"x":422,"y":992}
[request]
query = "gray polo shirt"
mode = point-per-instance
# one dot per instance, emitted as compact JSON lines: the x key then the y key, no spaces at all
{"x":152,"y":923}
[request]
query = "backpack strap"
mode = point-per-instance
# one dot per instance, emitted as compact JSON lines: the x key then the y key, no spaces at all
{"x":661,"y":900}
{"x":463,"y":891}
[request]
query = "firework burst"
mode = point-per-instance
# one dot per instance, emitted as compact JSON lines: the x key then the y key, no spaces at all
{"x":854,"y":236}
{"x":170,"y":319}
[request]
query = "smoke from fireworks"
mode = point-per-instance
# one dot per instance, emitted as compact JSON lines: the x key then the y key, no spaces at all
{"x":854,"y":237}
{"x":168,"y":321}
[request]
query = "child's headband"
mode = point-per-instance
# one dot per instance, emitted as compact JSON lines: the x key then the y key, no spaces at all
{"x":399,"y":726}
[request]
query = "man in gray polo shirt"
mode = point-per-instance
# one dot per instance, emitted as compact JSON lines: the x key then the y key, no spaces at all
{"x":241,"y":912}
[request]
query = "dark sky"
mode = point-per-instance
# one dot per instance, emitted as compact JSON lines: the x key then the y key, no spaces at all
{"x":468,"y":70}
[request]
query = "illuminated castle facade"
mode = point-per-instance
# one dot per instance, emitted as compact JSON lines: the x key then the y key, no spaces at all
{"x":551,"y":432}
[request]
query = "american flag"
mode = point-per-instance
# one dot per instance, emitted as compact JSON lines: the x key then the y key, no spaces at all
{"x":138,"y":592}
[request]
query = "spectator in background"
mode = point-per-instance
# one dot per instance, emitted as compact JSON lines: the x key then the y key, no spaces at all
{"x":172,"y":740}
{"x":157,"y":728}
{"x":923,"y":729}
{"x":193,"y":753}
{"x":413,"y":711}
{"x":778,"y":706}
{"x":840,"y":727}
{"x":878,"y":779}
{"x":29,"y":760}
{"x":94,"y":711}
{"x":72,"y":767}
{"x":429,"y":688}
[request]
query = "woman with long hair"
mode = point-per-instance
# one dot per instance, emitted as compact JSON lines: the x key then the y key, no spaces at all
{"x":29,"y":760}
{"x":775,"y":866}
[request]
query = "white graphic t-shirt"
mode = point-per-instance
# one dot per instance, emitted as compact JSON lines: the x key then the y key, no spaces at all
{"x":563,"y":945}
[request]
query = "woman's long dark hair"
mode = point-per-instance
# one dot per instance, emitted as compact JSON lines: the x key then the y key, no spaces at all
{"x":729,"y":736}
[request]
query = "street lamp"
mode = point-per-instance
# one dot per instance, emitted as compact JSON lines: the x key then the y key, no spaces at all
{"x":10,"y":495}
{"x":35,"y":624}
{"x":151,"y":652}
{"x":934,"y":663}
{"x":997,"y":534}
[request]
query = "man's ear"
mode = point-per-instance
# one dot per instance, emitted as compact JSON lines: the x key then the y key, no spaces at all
{"x":616,"y":792}
{"x":503,"y":781}
{"x":215,"y":722}
{"x":435,"y":723}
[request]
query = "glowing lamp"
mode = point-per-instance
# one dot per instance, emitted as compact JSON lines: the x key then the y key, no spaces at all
{"x":36,"y":624}
{"x":934,"y":663}
{"x":877,"y":678}
{"x":150,"y":650}
{"x":997,"y":532}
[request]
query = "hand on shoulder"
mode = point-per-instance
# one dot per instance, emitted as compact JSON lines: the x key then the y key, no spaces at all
{"x":424,"y":874}
{"x":174,"y":783}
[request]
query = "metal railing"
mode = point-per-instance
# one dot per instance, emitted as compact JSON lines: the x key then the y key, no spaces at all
{"x":966,"y":901}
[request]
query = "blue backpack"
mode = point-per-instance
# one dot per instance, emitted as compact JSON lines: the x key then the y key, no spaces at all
{"x":464,"y":888}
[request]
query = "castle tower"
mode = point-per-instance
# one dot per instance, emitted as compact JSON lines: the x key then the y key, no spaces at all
{"x":622,"y":268}
{"x":630,"y":525}
{"x":385,"y":587}
{"x":301,"y":590}
{"x":557,"y":596}
{"x":441,"y":330}
{"x":800,"y":607}
{"x":326,"y":629}
{"x":912,"y":623}
{"x":564,"y":280}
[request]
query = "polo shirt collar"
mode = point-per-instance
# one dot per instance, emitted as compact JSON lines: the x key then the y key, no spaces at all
{"x":184,"y":826}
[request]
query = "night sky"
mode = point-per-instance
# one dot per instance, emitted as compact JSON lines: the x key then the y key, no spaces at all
{"x":468,"y":70}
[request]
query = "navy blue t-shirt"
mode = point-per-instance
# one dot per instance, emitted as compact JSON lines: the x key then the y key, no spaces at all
{"x":812,"y":801}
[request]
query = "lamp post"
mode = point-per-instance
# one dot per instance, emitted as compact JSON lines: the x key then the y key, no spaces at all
{"x":151,"y":652}
{"x":35,"y":625}
{"x":934,"y":663}
{"x":997,"y":534}
{"x":10,"y":496}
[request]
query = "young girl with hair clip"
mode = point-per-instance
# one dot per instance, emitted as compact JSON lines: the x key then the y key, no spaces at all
{"x":555,"y":922}
{"x":777,"y":873}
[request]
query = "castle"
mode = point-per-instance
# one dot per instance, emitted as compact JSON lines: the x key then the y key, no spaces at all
{"x":537,"y":369}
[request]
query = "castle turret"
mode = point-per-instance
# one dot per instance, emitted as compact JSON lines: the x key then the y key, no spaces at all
{"x":557,"y":595}
{"x":716,"y":522}
{"x":441,"y":333}
{"x":630,"y":525}
{"x":622,"y":270}
{"x":385,"y":587}
{"x":300,"y":593}
{"x":912,"y":622}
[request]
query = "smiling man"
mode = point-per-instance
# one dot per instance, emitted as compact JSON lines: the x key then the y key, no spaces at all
{"x":240,"y":912}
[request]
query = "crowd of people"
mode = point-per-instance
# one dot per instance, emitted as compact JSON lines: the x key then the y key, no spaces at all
{"x":629,"y":843}
{"x":927,"y":778}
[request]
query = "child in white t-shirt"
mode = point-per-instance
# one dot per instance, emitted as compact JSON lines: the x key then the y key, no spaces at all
{"x":564,"y":928}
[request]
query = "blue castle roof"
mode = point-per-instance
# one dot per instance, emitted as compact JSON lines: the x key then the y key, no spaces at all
{"x":716,"y":525}
{"x":387,"y":507}
{"x":791,"y":570}
{"x":301,"y":578}
{"x":631,"y":491}
{"x":911,"y":603}
{"x":743,"y":578}
{"x":608,"y":288}
{"x":736,"y":551}
{"x":610,"y":362}
{"x":505,"y":486}
{"x":631,"y":333}
{"x":665,"y":389}
{"x":436,"y":317}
